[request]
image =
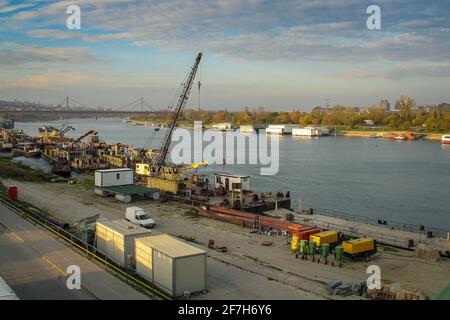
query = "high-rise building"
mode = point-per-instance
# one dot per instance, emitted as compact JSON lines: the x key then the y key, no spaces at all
{"x":385,"y":105}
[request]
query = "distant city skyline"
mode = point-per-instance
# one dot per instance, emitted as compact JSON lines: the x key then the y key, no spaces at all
{"x":280,"y":55}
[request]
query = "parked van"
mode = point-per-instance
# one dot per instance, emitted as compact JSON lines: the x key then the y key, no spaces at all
{"x":139,"y":216}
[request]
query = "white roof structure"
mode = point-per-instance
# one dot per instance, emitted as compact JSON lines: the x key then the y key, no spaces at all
{"x":170,"y":246}
{"x":123,"y":227}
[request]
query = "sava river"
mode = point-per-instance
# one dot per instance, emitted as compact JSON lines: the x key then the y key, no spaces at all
{"x":382,"y":179}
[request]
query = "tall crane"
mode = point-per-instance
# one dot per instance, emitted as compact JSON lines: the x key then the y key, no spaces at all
{"x":184,"y":95}
{"x":160,"y":174}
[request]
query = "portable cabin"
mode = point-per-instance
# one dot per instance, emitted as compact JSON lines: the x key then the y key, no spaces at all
{"x":232,"y":181}
{"x":115,"y":239}
{"x":114,"y":177}
{"x":171,"y":264}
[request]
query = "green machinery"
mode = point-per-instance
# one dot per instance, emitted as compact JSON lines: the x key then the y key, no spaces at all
{"x":302,"y":249}
{"x":338,"y":255}
{"x":324,"y":252}
{"x":312,"y":250}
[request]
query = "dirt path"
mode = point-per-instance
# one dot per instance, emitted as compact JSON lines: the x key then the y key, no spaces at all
{"x":72,"y":203}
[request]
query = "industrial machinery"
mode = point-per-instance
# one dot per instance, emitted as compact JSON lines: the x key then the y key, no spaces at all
{"x":51,"y":135}
{"x":330,"y":237}
{"x":324,"y":252}
{"x":359,"y":248}
{"x":156,"y":171}
{"x":338,"y":256}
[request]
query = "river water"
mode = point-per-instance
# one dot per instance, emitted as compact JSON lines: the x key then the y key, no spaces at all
{"x":378,"y":178}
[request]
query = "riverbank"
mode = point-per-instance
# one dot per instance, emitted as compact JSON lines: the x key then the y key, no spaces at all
{"x":185,"y":125}
{"x":342,"y":133}
{"x":272,"y":268}
{"x":12,"y":170}
{"x":385,"y":134}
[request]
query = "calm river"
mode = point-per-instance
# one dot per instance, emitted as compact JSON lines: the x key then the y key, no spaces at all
{"x":392,"y":180}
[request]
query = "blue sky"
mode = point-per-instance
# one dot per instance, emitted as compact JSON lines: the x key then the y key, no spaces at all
{"x":280,"y":55}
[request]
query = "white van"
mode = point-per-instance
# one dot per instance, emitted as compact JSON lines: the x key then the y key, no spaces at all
{"x":139,"y":216}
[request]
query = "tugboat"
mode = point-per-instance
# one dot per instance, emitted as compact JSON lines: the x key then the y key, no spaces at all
{"x":445,"y":139}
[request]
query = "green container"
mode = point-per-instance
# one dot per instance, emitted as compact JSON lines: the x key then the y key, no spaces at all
{"x":325,"y":250}
{"x":339,"y":253}
{"x":312,"y":248}
{"x":303,"y":247}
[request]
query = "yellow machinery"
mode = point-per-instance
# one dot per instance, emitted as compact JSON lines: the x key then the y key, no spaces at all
{"x":330,"y":237}
{"x":50,"y":135}
{"x":170,"y":178}
{"x":117,"y":155}
{"x":363,"y":247}
{"x":357,"y":246}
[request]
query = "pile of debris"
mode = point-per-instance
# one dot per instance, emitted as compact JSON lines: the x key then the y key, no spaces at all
{"x":423,"y":251}
{"x":336,"y":287}
{"x":391,"y":290}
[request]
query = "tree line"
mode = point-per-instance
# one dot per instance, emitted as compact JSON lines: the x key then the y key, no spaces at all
{"x":406,"y":116}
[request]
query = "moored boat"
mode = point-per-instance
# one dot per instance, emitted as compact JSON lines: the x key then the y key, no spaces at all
{"x":28,"y":150}
{"x":445,"y":139}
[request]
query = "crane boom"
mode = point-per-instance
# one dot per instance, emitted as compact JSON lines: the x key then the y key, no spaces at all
{"x":184,"y":95}
{"x":85,"y":135}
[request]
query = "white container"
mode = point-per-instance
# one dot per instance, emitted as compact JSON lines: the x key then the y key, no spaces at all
{"x":227,"y":180}
{"x":114,"y":177}
{"x":116,"y":240}
{"x":171,"y":264}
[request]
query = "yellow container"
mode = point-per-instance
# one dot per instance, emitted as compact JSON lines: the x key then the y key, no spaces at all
{"x":294,"y":242}
{"x":324,"y":237}
{"x":358,"y":246}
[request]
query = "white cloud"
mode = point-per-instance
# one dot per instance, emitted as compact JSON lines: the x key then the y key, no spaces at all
{"x":57,"y":79}
{"x":13,"y":53}
{"x":258,"y":30}
{"x":5,"y":8}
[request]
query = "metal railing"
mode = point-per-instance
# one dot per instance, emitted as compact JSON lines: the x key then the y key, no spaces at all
{"x":78,"y":243}
{"x":388,"y":224}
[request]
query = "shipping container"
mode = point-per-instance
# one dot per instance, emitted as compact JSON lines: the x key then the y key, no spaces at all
{"x":359,"y":247}
{"x":303,"y":231}
{"x":170,"y":264}
{"x":306,"y":233}
{"x":115,"y":239}
{"x":330,"y":237}
{"x":114,"y":177}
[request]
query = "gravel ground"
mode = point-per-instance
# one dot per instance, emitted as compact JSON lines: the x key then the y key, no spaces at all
{"x":278,"y":274}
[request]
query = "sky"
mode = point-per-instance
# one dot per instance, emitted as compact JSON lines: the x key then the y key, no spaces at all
{"x":280,"y":55}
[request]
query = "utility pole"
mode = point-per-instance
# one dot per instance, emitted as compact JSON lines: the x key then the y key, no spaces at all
{"x":67,"y":103}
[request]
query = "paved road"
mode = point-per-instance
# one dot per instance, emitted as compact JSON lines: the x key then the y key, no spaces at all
{"x":33,"y":263}
{"x":31,"y":276}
